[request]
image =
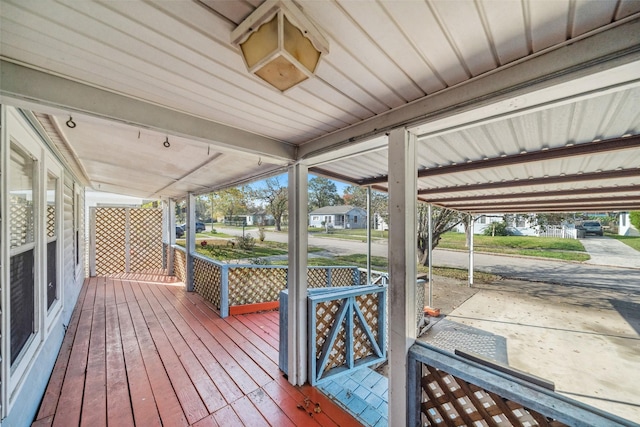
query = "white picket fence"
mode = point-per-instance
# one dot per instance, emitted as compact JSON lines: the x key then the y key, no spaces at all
{"x":559,"y":231}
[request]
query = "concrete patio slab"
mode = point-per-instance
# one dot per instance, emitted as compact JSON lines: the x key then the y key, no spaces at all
{"x":588,"y":345}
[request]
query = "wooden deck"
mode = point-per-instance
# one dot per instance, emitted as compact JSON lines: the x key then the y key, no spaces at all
{"x":141,"y":351}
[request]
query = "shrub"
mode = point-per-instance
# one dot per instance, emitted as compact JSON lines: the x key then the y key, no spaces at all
{"x":634,"y":217}
{"x":246,"y":242}
{"x":496,"y":229}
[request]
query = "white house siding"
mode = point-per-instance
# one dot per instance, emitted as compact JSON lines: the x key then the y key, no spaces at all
{"x":24,"y":383}
{"x":624,"y":226}
{"x":353,"y":218}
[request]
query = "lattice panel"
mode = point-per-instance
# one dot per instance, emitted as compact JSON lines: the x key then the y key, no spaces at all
{"x":51,"y":221}
{"x":343,"y":277}
{"x":207,"y":278}
{"x":326,"y":313}
{"x":110,"y":241}
{"x":368,"y":305}
{"x":450,"y":401}
{"x":250,"y":285}
{"x":180,"y":265}
{"x":316,"y":277}
{"x":21,"y":225}
{"x":145,"y":233}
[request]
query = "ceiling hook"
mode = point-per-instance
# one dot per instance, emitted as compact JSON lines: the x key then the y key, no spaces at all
{"x":71,"y":123}
{"x":166,"y":143}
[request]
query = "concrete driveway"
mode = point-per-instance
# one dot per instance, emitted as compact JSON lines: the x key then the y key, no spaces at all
{"x":610,"y":252}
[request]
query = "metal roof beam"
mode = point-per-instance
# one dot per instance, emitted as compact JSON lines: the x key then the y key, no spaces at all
{"x":578,"y":208}
{"x":546,"y":194}
{"x":586,"y":149}
{"x":594,"y":176}
{"x":562,"y":202}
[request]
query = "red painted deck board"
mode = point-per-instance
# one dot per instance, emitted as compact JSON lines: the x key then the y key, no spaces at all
{"x":141,"y":351}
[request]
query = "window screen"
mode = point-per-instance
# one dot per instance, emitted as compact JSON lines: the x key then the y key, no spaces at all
{"x":22,"y":241}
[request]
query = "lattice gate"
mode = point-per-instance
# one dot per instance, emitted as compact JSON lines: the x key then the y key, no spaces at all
{"x":125,"y":240}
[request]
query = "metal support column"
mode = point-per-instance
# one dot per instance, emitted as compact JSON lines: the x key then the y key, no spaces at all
{"x":430,"y":275}
{"x":470,"y":250}
{"x":172,"y":234}
{"x":369,"y":222}
{"x":190,"y":234}
{"x":297,"y":278}
{"x":402,"y":268}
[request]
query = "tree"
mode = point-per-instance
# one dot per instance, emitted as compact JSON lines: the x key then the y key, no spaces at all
{"x":443,"y":220}
{"x":354,"y":195}
{"x":322,"y":192}
{"x":276,"y":197}
{"x":231,"y":201}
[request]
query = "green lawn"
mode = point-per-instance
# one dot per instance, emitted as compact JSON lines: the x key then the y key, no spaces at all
{"x":546,"y":247}
{"x":350,"y":234}
{"x":632,"y":241}
{"x":221,"y":251}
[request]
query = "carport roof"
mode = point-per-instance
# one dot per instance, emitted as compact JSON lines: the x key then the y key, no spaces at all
{"x":516,"y":106}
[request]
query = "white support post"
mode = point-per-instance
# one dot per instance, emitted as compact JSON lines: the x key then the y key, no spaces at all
{"x":297,"y":278}
{"x":430,"y":255}
{"x":402,"y":268}
{"x":471,"y":250}
{"x":369,"y":222}
{"x":92,"y":241}
{"x":172,"y":234}
{"x":190,"y":234}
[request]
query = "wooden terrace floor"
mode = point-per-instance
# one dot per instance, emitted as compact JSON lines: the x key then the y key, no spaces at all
{"x":141,"y":351}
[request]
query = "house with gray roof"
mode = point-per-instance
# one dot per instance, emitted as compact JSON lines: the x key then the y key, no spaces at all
{"x":343,"y":216}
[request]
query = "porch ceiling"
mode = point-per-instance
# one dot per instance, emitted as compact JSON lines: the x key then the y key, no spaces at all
{"x":525,"y":87}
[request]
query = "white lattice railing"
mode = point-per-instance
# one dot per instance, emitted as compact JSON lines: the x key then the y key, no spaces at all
{"x":241,"y":288}
{"x":448,"y":389}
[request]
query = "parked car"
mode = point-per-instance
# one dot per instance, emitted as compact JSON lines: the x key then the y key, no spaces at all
{"x":593,"y":227}
{"x":179,"y":231}
{"x":199,"y":227}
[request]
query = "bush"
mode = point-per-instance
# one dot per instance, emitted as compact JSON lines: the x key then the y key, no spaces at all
{"x":246,"y":242}
{"x":634,"y":217}
{"x":496,"y":229}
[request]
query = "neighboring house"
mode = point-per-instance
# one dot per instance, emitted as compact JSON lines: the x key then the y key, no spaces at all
{"x":522,"y":224}
{"x":379,"y":223}
{"x":43,"y":243}
{"x":625,"y":228}
{"x":250,"y":219}
{"x":262,"y":218}
{"x":338,"y":217}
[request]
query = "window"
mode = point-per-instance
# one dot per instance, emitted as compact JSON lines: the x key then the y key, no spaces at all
{"x":52,"y":239}
{"x":23,"y":248}
{"x":355,"y":219}
{"x":76,"y":226}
